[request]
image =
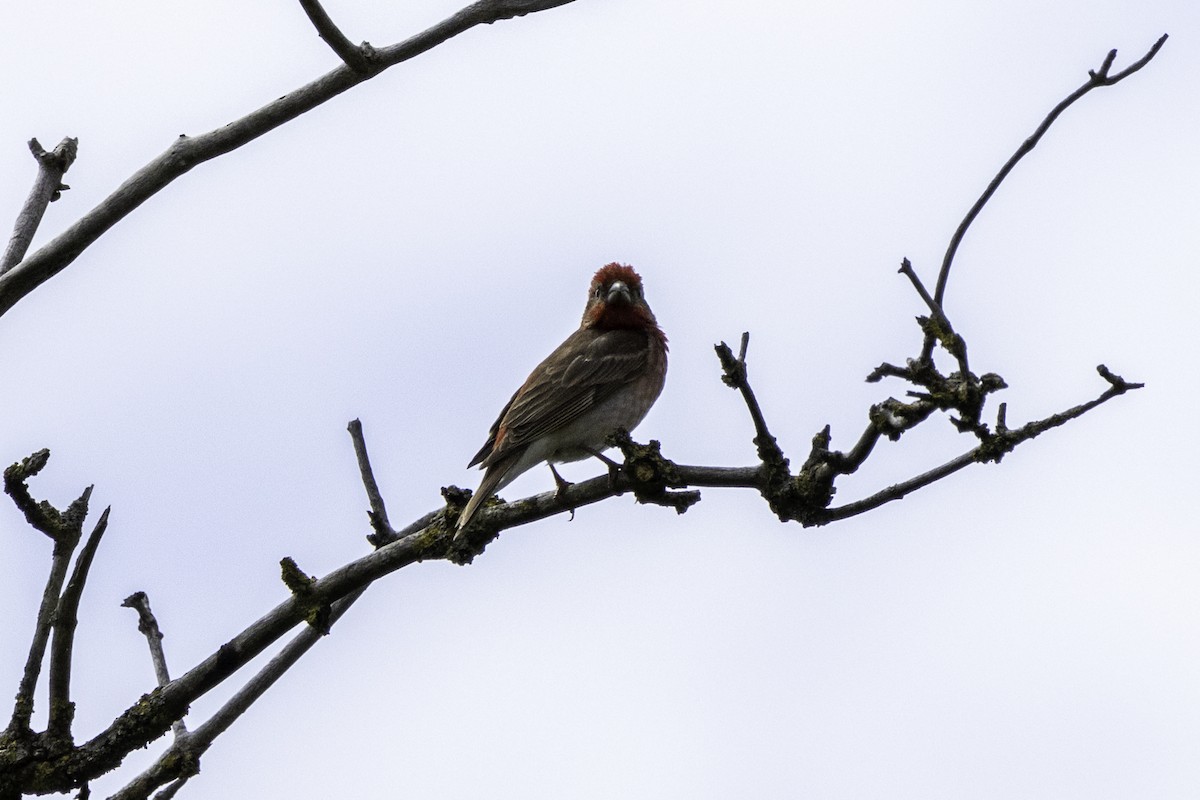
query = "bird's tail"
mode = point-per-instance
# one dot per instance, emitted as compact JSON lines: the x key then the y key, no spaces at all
{"x":487,"y":487}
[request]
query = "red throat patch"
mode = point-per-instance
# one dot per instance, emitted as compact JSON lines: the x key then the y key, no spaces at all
{"x":624,"y":316}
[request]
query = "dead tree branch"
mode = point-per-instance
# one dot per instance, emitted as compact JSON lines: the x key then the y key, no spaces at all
{"x":66,"y":618}
{"x":1096,"y":79}
{"x":993,"y":450}
{"x":47,"y":188}
{"x":148,"y":627}
{"x":181,"y":760}
{"x":65,"y":528}
{"x":378,"y":512}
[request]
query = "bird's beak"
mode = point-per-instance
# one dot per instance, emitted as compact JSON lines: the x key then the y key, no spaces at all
{"x":618,"y":292}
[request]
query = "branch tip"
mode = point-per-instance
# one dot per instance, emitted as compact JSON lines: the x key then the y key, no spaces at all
{"x":47,"y":187}
{"x":381,"y":526}
{"x":1119,"y":384}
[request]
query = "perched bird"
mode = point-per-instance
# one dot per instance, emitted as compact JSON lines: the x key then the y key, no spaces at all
{"x":605,"y":376}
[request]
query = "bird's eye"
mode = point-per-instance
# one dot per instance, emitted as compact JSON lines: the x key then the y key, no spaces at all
{"x":598,"y":292}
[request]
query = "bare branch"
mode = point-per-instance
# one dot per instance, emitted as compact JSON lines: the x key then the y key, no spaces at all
{"x":66,"y":617}
{"x":735,"y":376}
{"x":356,"y":58}
{"x":181,"y":760}
{"x":65,"y":528}
{"x":1119,"y":385}
{"x":378,"y":513}
{"x":1096,"y":78}
{"x":42,"y":516}
{"x":941,"y":330}
{"x":187,"y":152}
{"x":148,"y":627}
{"x":23,"y":709}
{"x":47,"y":188}
{"x":899,"y":490}
{"x":994,"y":449}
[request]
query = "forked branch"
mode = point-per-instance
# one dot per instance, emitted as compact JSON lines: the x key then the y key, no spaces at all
{"x":1096,"y":79}
{"x":47,"y":188}
{"x":66,"y":618}
{"x":65,"y":528}
{"x":357,"y":58}
{"x":181,"y":760}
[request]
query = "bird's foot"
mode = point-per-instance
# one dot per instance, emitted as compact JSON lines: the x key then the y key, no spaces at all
{"x":614,"y":469}
{"x":563,"y":484}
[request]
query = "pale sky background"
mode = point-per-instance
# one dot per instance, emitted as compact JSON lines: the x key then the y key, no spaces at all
{"x":408,"y":252}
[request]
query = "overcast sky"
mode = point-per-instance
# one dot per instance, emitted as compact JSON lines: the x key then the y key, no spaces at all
{"x":406,"y":253}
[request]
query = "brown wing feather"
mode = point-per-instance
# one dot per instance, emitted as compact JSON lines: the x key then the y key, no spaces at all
{"x":559,"y":390}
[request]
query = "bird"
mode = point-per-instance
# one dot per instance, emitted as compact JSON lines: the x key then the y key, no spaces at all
{"x":605,"y":376}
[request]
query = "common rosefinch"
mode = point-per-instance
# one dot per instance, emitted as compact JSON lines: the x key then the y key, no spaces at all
{"x":605,"y":376}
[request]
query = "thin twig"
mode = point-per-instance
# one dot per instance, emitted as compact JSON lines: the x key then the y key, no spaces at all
{"x":944,"y":332}
{"x":148,"y":627}
{"x":353,"y":55}
{"x":899,"y":490}
{"x":47,"y":188}
{"x":66,"y":618}
{"x":775,"y":482}
{"x":60,"y":562}
{"x":736,"y":376}
{"x":1095,"y":79}
{"x":1000,"y":445}
{"x":906,"y":268}
{"x":378,"y":513}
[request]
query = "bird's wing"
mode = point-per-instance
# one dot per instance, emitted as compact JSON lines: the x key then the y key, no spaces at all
{"x":563,"y":388}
